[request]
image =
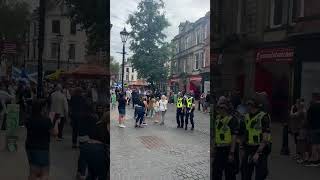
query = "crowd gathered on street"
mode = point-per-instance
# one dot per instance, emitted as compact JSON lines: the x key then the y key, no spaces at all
{"x":81,"y":104}
{"x":243,"y":141}
{"x":154,"y":105}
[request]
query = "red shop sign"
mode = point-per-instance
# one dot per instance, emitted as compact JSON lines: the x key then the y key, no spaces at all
{"x":275,"y":55}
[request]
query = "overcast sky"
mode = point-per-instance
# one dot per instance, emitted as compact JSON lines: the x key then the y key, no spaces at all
{"x":176,"y":11}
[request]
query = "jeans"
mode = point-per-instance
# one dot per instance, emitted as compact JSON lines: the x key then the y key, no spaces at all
{"x":95,"y":155}
{"x":163,"y":114}
{"x":140,"y":115}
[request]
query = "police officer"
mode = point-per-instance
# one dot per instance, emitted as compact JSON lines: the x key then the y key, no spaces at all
{"x":257,"y":144}
{"x":189,"y":110}
{"x":226,"y":130}
{"x":180,"y":110}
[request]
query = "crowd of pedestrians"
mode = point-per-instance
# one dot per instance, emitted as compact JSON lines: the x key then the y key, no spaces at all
{"x":304,"y":126}
{"x":81,"y":104}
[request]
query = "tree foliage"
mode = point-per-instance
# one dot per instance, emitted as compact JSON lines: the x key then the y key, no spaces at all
{"x":14,"y":20}
{"x":114,"y":66}
{"x":92,"y":16}
{"x":150,"y":51}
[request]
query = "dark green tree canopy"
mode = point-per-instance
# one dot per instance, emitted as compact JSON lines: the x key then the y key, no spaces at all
{"x":14,"y":20}
{"x":150,"y":51}
{"x":92,"y":16}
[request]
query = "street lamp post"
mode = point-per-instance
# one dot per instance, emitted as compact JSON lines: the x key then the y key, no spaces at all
{"x":124,"y":36}
{"x":59,"y":38}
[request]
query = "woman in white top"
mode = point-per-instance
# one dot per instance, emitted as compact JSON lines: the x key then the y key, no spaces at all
{"x":156,"y":107}
{"x":163,"y":107}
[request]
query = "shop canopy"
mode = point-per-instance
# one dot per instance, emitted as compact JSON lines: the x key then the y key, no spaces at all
{"x":272,"y":55}
{"x":87,"y":71}
{"x":55,"y":76}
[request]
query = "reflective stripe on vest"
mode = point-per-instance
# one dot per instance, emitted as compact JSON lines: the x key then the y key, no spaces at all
{"x":223,"y":132}
{"x":179,"y":102}
{"x":254,"y":128}
{"x":189,"y":102}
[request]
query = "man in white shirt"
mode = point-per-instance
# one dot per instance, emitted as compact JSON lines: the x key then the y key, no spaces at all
{"x":4,"y":97}
{"x":59,"y":105}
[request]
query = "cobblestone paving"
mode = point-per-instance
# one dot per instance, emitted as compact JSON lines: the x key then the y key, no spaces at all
{"x":158,"y":152}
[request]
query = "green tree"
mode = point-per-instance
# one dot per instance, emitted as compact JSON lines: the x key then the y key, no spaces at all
{"x":14,"y":20}
{"x":92,"y":16}
{"x":150,"y":51}
{"x":114,"y":66}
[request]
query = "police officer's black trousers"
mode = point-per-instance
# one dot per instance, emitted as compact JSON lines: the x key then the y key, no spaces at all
{"x":221,"y":165}
{"x":179,"y":117}
{"x":191,"y":115}
{"x":248,"y":166}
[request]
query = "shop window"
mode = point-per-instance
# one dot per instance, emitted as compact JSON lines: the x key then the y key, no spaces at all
{"x":296,"y":10}
{"x":196,"y":61}
{"x":276,"y":13}
{"x":72,"y":51}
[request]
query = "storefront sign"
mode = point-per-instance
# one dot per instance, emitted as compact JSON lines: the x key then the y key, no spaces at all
{"x":275,"y":55}
{"x":195,"y":78}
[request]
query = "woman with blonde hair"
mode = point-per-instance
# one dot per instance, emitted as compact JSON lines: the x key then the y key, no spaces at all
{"x":163,"y":107}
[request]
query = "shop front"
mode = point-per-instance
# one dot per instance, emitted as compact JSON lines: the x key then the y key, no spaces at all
{"x":195,"y":83}
{"x":274,"y":72}
{"x":174,"y":84}
{"x":308,"y":65}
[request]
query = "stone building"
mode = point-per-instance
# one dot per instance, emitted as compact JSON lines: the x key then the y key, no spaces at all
{"x":190,"y":66}
{"x":62,"y":38}
{"x":267,"y":45}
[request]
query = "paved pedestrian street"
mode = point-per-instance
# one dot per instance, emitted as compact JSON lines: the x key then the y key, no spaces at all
{"x":159,"y":152}
{"x":14,"y":165}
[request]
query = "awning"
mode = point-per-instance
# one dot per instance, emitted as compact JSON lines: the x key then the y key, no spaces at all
{"x":269,"y":55}
{"x":195,"y":78}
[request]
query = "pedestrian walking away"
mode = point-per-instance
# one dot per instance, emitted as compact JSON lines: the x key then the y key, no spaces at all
{"x":39,"y":129}
{"x":59,"y":105}
{"x":122,"y":110}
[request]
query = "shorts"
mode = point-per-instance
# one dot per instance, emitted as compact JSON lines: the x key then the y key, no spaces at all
{"x":122,"y":112}
{"x":38,"y":158}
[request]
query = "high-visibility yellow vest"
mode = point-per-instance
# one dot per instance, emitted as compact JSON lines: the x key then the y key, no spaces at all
{"x":254,"y":128}
{"x":179,"y":103}
{"x":189,"y":102}
{"x":223,"y":132}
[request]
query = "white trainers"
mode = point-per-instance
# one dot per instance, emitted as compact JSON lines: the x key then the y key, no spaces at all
{"x":122,"y":126}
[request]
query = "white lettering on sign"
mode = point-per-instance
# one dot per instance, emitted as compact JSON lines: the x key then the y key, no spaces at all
{"x":281,"y":54}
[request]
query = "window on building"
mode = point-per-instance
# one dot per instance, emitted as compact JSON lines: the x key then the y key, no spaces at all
{"x":204,"y":60}
{"x":72,"y":51}
{"x":132,"y":70}
{"x":127,"y":70}
{"x":73,"y":28}
{"x":297,"y":10}
{"x":276,"y":13}
{"x":54,"y":50}
{"x":201,"y":59}
{"x":198,"y":37}
{"x":185,"y":65}
{"x":35,"y":29}
{"x":177,"y":47}
{"x":196,"y":61}
{"x":55,"y":26}
{"x":132,"y":78}
{"x":127,"y":77}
